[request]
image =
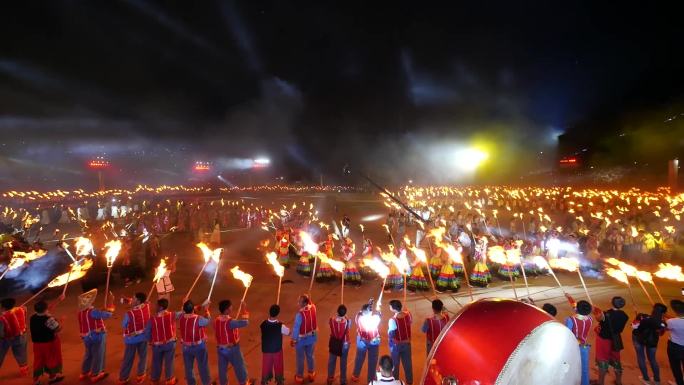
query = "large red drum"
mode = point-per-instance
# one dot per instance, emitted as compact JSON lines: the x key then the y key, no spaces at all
{"x":503,"y":342}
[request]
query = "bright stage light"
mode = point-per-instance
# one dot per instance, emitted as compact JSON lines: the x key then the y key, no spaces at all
{"x":261,"y":162}
{"x":469,"y":159}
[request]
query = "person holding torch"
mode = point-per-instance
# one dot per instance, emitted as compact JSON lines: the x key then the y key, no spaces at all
{"x":228,"y":342}
{"x":367,"y":341}
{"x":193,"y":337}
{"x":399,"y":331}
{"x":304,"y":338}
{"x":135,"y":338}
{"x":93,"y":333}
{"x":13,"y":333}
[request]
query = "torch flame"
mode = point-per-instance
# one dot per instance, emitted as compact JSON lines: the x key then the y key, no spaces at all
{"x":569,"y":264}
{"x":617,"y":274}
{"x":208,"y":253}
{"x":160,"y":271}
{"x":83,"y":246}
{"x":644,"y":276}
{"x":113,"y":248}
{"x":242,"y":276}
{"x":78,"y":270}
{"x":420,"y":254}
{"x":378,"y":266}
{"x":669,"y":271}
{"x":308,"y":243}
{"x":277,"y":267}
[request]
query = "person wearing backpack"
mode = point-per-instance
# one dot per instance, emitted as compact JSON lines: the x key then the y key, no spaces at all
{"x":338,"y":346}
{"x":646,"y":332}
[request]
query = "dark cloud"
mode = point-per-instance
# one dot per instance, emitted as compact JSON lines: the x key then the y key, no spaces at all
{"x":320,"y":85}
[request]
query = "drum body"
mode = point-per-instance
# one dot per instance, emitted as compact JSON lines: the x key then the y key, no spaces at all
{"x":503,"y":342}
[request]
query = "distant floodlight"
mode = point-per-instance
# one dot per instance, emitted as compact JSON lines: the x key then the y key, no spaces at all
{"x":261,"y":162}
{"x":469,"y":159}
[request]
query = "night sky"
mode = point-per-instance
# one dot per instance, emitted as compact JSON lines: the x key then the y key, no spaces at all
{"x":314,"y":85}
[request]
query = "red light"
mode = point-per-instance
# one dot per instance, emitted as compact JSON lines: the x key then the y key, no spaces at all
{"x":568,"y":161}
{"x":98,"y":163}
{"x":202,"y":166}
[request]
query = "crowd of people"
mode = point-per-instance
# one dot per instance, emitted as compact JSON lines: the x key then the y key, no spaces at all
{"x":446,"y":238}
{"x":156,"y":328}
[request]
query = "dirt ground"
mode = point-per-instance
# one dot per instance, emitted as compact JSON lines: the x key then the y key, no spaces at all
{"x":241,"y":250}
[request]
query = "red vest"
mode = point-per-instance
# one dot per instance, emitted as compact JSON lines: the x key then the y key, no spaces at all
{"x":403,"y":332}
{"x":339,"y":329}
{"x":284,"y":246}
{"x":224,"y":334}
{"x":308,"y":314}
{"x":87,"y":324}
{"x":435,"y":326}
{"x":581,"y":328}
{"x":137,"y":319}
{"x":163,"y":327}
{"x":367,"y":332}
{"x":13,"y":322}
{"x":190,"y":331}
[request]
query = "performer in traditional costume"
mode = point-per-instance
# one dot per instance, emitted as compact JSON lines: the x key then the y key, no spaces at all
{"x":47,"y":348}
{"x":367,"y":253}
{"x":193,"y":337}
{"x":228,"y":341}
{"x":93,"y":333}
{"x":161,"y":330}
{"x":417,"y":280}
{"x":367,"y":341}
{"x":399,"y":332}
{"x":135,"y":339}
{"x":447,"y":280}
{"x":304,"y":263}
{"x":481,"y":275}
{"x":13,"y":333}
{"x":304,"y":338}
{"x":284,"y":250}
{"x":351,"y":272}
{"x":436,"y":262}
{"x":325,"y":272}
{"x":455,"y":265}
{"x":433,"y":325}
{"x":395,"y":281}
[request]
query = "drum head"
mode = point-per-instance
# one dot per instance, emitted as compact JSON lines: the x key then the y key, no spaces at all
{"x":503,"y":342}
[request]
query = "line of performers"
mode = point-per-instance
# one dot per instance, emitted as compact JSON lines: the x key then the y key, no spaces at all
{"x":156,"y":328}
{"x":445,"y":272}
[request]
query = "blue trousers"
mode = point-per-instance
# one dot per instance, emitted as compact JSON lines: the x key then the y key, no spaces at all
{"x":199,"y":353}
{"x":163,"y":355}
{"x":332,"y":362}
{"x":401,"y":356}
{"x":584,"y":358}
{"x":304,"y":349}
{"x":95,"y":349}
{"x":18,"y":347}
{"x":642,"y":353}
{"x":362,"y":348}
{"x":130,"y":351}
{"x":232,"y":356}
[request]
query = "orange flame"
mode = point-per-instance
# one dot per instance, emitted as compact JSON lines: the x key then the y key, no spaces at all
{"x":242,"y":276}
{"x":208,"y":253}
{"x":378,"y":267}
{"x":78,"y":270}
{"x":569,"y":264}
{"x":113,"y":249}
{"x":617,"y":274}
{"x":160,"y":271}
{"x":277,"y":267}
{"x":83,"y":246}
{"x":669,"y":271}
